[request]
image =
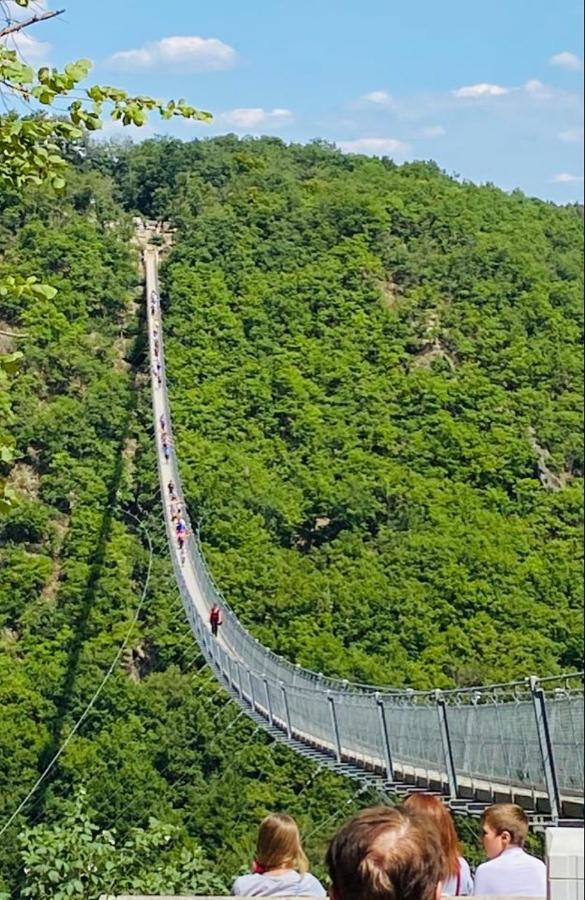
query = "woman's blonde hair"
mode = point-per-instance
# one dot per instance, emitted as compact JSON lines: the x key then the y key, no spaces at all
{"x":279,"y":845}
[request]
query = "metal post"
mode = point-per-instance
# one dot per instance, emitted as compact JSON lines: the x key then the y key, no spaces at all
{"x":447,"y":745}
{"x":389,"y":765}
{"x":213,"y":648}
{"x":252,"y":698}
{"x":286,"y":710}
{"x":334,"y":726}
{"x":470,"y":727}
{"x":546,"y":748}
{"x":268,"y":703}
{"x":239,"y":684}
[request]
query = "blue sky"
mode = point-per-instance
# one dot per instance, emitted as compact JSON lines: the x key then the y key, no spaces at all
{"x":491,"y":90}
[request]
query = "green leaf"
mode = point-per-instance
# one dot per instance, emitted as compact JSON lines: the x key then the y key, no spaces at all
{"x":10,"y":362}
{"x":6,"y":453}
{"x":47,"y":290}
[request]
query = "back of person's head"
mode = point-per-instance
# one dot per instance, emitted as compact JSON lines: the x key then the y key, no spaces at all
{"x":279,"y":845}
{"x":441,"y":820}
{"x":386,"y":854}
{"x":508,"y":817}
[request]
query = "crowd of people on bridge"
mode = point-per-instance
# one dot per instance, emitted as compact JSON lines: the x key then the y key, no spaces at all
{"x":157,"y":366}
{"x":176,"y":510}
{"x":407,"y":852}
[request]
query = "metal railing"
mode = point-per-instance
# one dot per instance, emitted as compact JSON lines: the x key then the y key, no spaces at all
{"x":524,"y":736}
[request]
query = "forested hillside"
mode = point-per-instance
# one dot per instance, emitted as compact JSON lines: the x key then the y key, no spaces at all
{"x":376,"y":384}
{"x":376,"y":378}
{"x":146,"y":765}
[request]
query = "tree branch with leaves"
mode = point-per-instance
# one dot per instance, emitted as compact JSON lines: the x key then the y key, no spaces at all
{"x":32,"y":146}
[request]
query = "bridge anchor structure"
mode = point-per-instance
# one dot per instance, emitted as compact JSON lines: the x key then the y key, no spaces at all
{"x":520,"y":741}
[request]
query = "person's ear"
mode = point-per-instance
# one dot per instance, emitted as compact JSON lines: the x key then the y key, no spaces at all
{"x":439,"y":893}
{"x":506,"y":839}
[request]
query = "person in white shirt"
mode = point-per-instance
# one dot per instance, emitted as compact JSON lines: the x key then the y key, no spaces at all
{"x":509,"y":871}
{"x":280,"y":867}
{"x":457,"y":880}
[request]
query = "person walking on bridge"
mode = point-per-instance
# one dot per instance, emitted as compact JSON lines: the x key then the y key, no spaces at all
{"x":215,"y":619}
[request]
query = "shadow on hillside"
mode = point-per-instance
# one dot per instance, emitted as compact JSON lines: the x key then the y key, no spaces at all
{"x":80,"y":623}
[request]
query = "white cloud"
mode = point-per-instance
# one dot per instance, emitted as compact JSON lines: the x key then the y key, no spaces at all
{"x":432,"y":131}
{"x":256,"y":117}
{"x":30,"y":51}
{"x":378,"y":98}
{"x":113,"y":130}
{"x":565,"y":178}
{"x":566,"y":60}
{"x":571,"y":136}
{"x":16,"y":12}
{"x":537,"y":89}
{"x":481,"y":90}
{"x":191,"y":54}
{"x":374,"y":146}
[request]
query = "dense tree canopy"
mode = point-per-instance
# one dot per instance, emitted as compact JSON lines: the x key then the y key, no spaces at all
{"x":377,"y":381}
{"x":72,"y":565}
{"x":376,"y":385}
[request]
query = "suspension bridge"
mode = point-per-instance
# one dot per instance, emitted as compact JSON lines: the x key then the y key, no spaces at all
{"x":519,"y":741}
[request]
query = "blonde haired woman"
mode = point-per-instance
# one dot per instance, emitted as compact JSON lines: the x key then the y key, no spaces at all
{"x":280,"y":868}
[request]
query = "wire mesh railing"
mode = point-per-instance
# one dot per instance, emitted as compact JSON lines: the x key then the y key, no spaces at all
{"x":524,"y":735}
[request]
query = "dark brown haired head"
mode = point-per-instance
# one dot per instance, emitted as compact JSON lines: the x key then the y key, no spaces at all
{"x":385,"y":854}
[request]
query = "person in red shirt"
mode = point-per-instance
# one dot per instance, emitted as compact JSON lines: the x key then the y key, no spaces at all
{"x":215,"y":619}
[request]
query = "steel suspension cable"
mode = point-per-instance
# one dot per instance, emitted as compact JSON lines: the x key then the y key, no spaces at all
{"x":97,"y":693}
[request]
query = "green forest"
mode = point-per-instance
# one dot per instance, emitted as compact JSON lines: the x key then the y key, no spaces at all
{"x":365,"y":362}
{"x":376,"y":383}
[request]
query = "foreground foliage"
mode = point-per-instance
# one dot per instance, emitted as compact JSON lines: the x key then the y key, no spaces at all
{"x":77,"y":859}
{"x":35,"y":148}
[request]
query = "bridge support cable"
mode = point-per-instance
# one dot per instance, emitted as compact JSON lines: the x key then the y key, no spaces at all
{"x":388,"y":764}
{"x":546,"y":749}
{"x":113,"y":666}
{"x":447,"y":746}
{"x":472,"y":744}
